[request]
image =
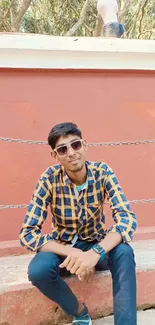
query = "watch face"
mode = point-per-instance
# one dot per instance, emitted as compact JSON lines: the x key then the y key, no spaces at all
{"x":99,"y":249}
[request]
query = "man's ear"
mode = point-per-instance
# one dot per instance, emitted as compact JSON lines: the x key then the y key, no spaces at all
{"x":85,"y":144}
{"x":53,"y":154}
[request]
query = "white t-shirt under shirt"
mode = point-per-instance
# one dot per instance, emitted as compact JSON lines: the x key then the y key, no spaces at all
{"x":77,"y":191}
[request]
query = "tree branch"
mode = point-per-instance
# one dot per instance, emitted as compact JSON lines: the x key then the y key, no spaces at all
{"x":83,"y":14}
{"x":8,"y":9}
{"x":148,"y":31}
{"x":98,"y":27}
{"x":141,"y":19}
{"x":89,"y":29}
{"x":151,"y":33}
{"x":3,"y":18}
{"x":135,"y":17}
{"x":5,"y":25}
{"x":124,"y":10}
{"x":23,"y":8}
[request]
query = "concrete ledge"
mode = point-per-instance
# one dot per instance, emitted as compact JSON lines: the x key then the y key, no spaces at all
{"x":34,"y":51}
{"x":23,"y":304}
{"x":12,"y":247}
{"x":144,"y":233}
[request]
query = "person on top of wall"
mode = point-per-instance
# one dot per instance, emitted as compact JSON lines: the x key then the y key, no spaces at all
{"x":108,"y":10}
{"x":79,"y":243}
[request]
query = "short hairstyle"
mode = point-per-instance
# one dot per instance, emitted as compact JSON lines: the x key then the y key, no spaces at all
{"x":62,"y":129}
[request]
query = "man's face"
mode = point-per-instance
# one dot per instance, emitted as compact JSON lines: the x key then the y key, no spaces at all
{"x":70,"y":150}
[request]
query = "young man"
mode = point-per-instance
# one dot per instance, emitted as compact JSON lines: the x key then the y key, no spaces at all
{"x":76,"y":190}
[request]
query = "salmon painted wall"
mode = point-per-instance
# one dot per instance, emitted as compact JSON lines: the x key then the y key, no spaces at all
{"x":107,"y":105}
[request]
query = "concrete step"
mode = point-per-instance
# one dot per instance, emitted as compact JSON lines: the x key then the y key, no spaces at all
{"x":13,"y":247}
{"x":143,"y":318}
{"x":21,"y":303}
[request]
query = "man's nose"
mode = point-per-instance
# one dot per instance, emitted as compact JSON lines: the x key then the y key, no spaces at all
{"x":70,"y":152}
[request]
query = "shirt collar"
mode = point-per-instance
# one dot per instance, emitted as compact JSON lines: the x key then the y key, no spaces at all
{"x":66,"y":179}
{"x":90,"y":175}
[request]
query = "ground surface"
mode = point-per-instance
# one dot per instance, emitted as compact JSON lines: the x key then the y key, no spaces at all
{"x":144,"y":317}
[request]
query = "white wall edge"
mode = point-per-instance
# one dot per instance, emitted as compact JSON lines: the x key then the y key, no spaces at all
{"x":54,"y":52}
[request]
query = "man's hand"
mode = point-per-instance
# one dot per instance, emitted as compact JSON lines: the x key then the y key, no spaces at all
{"x":80,"y":261}
{"x":87,"y":275}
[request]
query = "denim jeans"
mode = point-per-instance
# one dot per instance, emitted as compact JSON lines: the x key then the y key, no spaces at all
{"x":45,"y":274}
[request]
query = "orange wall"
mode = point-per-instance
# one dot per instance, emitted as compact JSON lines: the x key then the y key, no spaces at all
{"x":107,"y":105}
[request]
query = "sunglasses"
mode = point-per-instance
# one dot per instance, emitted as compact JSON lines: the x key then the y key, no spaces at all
{"x":63,"y":150}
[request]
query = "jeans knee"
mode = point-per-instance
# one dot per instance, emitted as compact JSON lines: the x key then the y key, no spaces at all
{"x":125,"y":249}
{"x":123,"y":252}
{"x":41,"y":271}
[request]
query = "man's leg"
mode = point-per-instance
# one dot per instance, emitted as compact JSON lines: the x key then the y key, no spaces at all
{"x":108,"y":10}
{"x":43,"y":272}
{"x":122,"y":267}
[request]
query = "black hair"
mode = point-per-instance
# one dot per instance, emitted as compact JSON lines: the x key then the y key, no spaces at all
{"x":62,"y":129}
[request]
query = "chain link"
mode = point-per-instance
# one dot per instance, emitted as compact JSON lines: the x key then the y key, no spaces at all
{"x":14,"y":206}
{"x":143,"y":201}
{"x":24,"y":206}
{"x":91,"y":144}
{"x":120,"y":143}
{"x":23,"y":141}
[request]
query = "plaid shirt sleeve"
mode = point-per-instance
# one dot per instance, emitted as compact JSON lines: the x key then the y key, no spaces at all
{"x":122,"y":214}
{"x":30,"y":234}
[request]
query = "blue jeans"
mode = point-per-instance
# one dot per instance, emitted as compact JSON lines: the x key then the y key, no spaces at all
{"x":45,"y":274}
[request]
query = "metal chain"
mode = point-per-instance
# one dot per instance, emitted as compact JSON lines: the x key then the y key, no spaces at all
{"x":121,"y":143}
{"x":23,"y":206}
{"x":14,"y":206}
{"x":103,"y":144}
{"x":142,"y":201}
{"x":23,"y":141}
{"x":91,"y":144}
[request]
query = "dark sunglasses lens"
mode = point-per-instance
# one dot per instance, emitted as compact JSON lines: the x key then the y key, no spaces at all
{"x":62,"y":151}
{"x":76,"y":145}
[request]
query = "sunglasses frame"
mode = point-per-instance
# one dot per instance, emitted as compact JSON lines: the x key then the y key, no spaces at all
{"x":68,"y":145}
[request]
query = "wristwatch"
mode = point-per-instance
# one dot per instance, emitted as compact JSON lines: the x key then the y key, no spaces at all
{"x":99,"y":250}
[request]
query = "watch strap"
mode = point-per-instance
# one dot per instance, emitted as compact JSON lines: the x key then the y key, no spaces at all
{"x":99,"y":250}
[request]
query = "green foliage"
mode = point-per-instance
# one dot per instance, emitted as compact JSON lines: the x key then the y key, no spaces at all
{"x":57,"y":17}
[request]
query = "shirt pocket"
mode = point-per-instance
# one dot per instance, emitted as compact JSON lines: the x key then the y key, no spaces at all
{"x":94,"y":212}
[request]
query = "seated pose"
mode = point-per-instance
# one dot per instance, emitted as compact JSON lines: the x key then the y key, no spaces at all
{"x":108,"y":10}
{"x":79,"y":243}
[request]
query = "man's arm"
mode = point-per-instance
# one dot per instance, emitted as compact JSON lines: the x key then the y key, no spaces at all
{"x":58,"y":248}
{"x":122,"y":214}
{"x":124,"y":217}
{"x":30,"y":234}
{"x":122,"y":231}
